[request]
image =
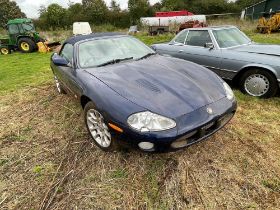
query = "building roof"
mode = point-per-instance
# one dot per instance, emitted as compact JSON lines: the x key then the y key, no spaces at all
{"x":19,"y":21}
{"x":75,"y":39}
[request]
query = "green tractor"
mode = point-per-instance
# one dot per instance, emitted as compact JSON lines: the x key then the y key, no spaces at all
{"x":22,"y":36}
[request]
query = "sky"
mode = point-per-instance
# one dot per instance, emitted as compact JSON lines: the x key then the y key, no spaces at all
{"x":31,"y":7}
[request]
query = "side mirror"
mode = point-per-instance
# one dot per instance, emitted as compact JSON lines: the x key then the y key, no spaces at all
{"x":59,"y":61}
{"x":209,"y":45}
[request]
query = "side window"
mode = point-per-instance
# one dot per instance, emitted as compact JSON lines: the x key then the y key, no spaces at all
{"x":13,"y":29}
{"x":181,"y":37}
{"x":67,"y":52}
{"x":198,"y":38}
{"x":21,"y":29}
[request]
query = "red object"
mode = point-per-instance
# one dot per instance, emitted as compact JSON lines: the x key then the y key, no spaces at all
{"x":173,"y":13}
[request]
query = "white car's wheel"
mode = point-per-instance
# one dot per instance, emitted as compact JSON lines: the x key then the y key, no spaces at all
{"x":259,"y":83}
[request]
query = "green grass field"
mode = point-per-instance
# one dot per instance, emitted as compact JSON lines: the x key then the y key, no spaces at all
{"x":48,"y":162}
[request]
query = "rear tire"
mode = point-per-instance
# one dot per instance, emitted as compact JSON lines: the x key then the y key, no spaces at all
{"x":259,"y":83}
{"x":26,"y":45}
{"x":5,"y":50}
{"x":98,"y":129}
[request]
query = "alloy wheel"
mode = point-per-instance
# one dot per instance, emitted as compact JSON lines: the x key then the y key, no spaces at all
{"x":98,"y":129}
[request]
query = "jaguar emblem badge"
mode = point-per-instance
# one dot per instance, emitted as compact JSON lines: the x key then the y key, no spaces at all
{"x":209,"y":110}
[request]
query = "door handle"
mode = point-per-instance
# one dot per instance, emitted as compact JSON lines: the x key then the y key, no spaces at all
{"x":180,"y":51}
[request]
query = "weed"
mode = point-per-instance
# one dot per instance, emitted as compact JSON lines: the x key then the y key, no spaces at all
{"x":119,"y":174}
{"x":37,"y":170}
{"x":273,"y":184}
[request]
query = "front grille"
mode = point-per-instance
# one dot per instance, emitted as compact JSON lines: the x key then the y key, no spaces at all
{"x":201,"y":132}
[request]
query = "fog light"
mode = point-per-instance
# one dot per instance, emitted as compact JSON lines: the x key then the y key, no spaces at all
{"x":146,"y":145}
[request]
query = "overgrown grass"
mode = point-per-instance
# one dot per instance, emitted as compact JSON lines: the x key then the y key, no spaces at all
{"x":47,"y":160}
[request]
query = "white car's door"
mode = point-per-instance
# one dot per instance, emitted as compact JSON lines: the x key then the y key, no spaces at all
{"x":199,"y":48}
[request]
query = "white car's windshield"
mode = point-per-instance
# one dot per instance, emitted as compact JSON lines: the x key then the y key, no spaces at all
{"x":101,"y":52}
{"x":230,"y":37}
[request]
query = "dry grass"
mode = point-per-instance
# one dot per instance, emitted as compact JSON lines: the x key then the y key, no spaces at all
{"x":48,"y":162}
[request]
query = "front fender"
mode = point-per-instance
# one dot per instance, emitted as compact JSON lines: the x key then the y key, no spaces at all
{"x":112,"y":106}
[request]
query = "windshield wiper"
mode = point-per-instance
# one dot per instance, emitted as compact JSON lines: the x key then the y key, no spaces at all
{"x":114,"y":61}
{"x":146,"y":56}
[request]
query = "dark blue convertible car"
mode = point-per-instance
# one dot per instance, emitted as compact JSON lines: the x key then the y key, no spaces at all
{"x":133,"y":96}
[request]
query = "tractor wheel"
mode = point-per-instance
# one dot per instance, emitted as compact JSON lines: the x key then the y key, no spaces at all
{"x":26,"y":45}
{"x":5,"y":50}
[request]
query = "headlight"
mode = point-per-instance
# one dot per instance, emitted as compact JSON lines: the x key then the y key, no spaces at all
{"x":229,"y":92}
{"x":147,"y":121}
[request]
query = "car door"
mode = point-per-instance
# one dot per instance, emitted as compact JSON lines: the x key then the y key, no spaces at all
{"x":199,"y":48}
{"x":68,"y":74}
{"x":175,"y":46}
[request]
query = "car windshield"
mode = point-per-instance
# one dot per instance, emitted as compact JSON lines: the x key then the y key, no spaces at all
{"x":106,"y":51}
{"x":230,"y":37}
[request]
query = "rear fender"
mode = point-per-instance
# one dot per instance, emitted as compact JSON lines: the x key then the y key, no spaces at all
{"x":25,"y":36}
{"x":255,"y":65}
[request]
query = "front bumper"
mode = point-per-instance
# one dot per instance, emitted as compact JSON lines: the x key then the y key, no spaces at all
{"x":191,"y":128}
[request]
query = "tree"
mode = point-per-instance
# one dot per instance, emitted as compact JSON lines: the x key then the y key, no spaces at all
{"x":138,"y":9}
{"x":9,"y":10}
{"x":173,"y":5}
{"x":42,"y":21}
{"x":95,"y":10}
{"x":56,"y":16}
{"x":75,"y":13}
{"x":114,"y":6}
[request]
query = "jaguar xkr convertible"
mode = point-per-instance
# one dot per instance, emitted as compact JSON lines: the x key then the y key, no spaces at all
{"x":133,"y":96}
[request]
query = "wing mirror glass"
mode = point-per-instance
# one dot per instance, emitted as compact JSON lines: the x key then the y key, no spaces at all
{"x":59,"y":60}
{"x":209,"y":45}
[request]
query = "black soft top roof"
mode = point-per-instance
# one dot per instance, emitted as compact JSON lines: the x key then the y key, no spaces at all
{"x":75,"y":39}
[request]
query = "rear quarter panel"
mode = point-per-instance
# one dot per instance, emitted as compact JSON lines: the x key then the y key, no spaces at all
{"x":235,"y":61}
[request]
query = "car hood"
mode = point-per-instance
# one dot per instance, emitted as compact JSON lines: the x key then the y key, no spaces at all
{"x":167,"y":86}
{"x":266,"y":49}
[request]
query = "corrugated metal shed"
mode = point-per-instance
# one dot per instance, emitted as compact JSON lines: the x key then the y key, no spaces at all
{"x":256,"y":11}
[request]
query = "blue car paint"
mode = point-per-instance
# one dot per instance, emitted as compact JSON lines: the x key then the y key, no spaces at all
{"x":171,"y":87}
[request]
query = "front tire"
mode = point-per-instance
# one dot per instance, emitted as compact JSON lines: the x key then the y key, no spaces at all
{"x":98,"y":129}
{"x":26,"y":45}
{"x":5,"y":50}
{"x":259,"y":83}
